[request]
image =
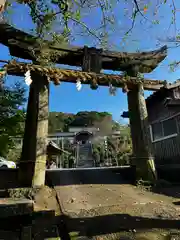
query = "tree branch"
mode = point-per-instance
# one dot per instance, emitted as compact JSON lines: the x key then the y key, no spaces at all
{"x":136,"y":11}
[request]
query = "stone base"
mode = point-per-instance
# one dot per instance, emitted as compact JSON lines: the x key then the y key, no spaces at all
{"x":11,"y":207}
{"x":145,"y":169}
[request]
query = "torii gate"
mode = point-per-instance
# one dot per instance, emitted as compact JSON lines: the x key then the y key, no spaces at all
{"x":23,"y":45}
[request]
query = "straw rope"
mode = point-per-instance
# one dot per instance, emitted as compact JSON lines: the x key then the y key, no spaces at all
{"x":56,"y":75}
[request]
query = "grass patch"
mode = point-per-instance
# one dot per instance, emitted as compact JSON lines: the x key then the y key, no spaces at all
{"x":74,"y":235}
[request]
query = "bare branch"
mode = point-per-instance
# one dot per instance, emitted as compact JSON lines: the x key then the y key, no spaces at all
{"x":133,"y":23}
{"x":174,"y":15}
{"x":136,"y":11}
{"x":86,"y":27}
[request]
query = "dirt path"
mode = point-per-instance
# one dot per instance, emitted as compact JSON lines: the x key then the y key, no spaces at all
{"x":95,"y":209}
{"x":127,"y":198}
{"x":122,"y":198}
{"x":108,"y":210}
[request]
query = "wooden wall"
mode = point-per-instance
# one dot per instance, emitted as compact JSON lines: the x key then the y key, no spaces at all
{"x":160,"y":111}
{"x":166,"y":151}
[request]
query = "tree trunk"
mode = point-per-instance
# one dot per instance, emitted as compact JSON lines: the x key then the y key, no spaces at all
{"x":33,"y":158}
{"x":143,"y":158}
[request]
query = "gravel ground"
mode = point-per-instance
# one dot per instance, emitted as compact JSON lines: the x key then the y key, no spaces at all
{"x":95,"y":209}
{"x":114,"y":199}
{"x":114,"y":211}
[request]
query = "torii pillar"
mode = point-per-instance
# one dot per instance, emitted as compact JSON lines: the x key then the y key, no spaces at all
{"x":143,"y":158}
{"x":32,"y":166}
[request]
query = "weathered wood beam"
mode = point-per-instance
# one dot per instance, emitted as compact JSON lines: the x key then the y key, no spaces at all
{"x":56,"y":75}
{"x":92,"y":60}
{"x":173,"y":103}
{"x":143,"y":158}
{"x":26,"y":46}
{"x":33,"y":158}
{"x":173,"y":85}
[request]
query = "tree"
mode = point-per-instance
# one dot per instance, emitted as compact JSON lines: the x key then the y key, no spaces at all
{"x":64,"y":20}
{"x":62,"y":121}
{"x":71,"y":161}
{"x":96,"y":155}
{"x":11,"y":99}
{"x":118,"y":150}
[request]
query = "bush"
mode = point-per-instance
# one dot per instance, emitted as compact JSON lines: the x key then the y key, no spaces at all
{"x":14,"y":155}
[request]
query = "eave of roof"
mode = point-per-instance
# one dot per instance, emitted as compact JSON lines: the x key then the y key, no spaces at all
{"x":161,"y":94}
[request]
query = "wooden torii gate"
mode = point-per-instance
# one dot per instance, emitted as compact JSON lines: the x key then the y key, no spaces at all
{"x":92,"y":61}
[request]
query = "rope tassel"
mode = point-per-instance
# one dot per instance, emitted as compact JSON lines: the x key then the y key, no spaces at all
{"x":112,"y":90}
{"x":28,"y":79}
{"x":78,"y":85}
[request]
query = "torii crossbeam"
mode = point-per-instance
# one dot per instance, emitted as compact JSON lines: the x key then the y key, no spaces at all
{"x":26,"y":46}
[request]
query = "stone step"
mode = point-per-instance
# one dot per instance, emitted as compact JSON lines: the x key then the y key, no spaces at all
{"x":11,"y":207}
{"x":9,"y":235}
{"x":4,"y":193}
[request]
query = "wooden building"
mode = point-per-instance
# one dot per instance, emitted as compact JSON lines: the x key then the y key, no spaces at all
{"x":163,"y":109}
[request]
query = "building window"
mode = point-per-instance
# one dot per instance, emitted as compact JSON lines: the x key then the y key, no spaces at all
{"x":157,"y":131}
{"x":164,"y":129}
{"x":170,"y":127}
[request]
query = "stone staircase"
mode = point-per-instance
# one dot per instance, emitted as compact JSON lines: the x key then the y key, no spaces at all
{"x":85,"y":158}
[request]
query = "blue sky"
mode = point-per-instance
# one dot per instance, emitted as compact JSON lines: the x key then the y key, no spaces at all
{"x":65,"y":98}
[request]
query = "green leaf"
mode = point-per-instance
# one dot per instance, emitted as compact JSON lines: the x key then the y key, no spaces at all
{"x":11,"y":116}
{"x":78,"y":15}
{"x":156,"y":22}
{"x":55,"y":1}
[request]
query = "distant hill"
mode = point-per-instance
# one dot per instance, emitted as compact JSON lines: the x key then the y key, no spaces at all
{"x":59,"y":121}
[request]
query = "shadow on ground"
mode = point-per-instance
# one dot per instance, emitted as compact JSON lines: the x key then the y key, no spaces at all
{"x":9,"y":177}
{"x":43,"y":224}
{"x":90,"y":176}
{"x":177,"y":203}
{"x":85,"y":226}
{"x":108,"y":224}
{"x":170,"y":191}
